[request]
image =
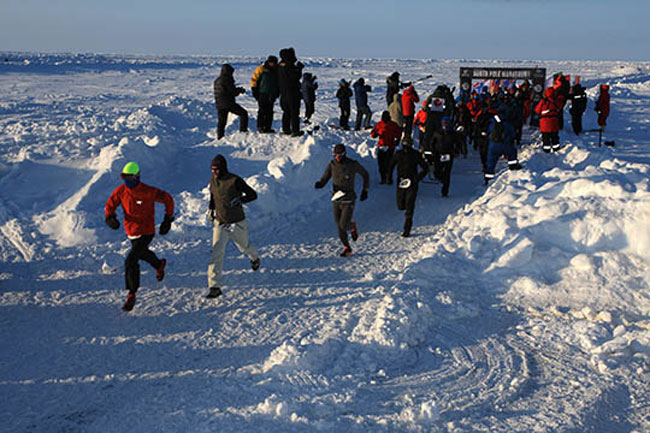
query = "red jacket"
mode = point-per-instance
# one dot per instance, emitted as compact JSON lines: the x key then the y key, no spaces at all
{"x":409,"y":98}
{"x":420,"y":119}
{"x":138,"y":204}
{"x":388,"y":133}
{"x":602,"y":105}
{"x":474,"y":106}
{"x":549,"y":111}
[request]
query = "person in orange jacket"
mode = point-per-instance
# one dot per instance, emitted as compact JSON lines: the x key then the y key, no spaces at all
{"x":409,"y":99}
{"x":389,"y":133}
{"x":602,"y":106}
{"x":420,"y":121}
{"x":549,"y":111}
{"x":138,"y":203}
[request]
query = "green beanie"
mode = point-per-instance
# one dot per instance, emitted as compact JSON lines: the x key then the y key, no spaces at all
{"x":131,"y":168}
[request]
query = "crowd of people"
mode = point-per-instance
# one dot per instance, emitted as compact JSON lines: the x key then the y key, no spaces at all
{"x":271,"y":79}
{"x":490,"y":122}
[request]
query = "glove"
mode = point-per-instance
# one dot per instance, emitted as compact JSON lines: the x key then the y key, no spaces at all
{"x":235,"y":202}
{"x":318,"y":185}
{"x":256,"y":92}
{"x":364,"y":195}
{"x":112,"y":222}
{"x":299,"y":65}
{"x":166,"y":225}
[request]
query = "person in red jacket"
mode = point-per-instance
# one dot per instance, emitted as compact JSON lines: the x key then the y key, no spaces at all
{"x":389,"y":133}
{"x":602,"y":106}
{"x":523,"y":95}
{"x":138,"y":203}
{"x":420,"y":121}
{"x":409,"y":99}
{"x":473,"y":107}
{"x":549,"y":111}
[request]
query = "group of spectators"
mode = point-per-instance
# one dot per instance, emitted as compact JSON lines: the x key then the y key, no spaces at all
{"x":272,"y":79}
{"x":444,"y":125}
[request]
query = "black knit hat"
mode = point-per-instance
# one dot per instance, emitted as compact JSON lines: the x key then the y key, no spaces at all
{"x":219,"y":163}
{"x":272,"y":59}
{"x":339,"y":149}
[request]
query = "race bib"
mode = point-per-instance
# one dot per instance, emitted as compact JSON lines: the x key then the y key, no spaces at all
{"x":445,"y":157}
{"x":405,"y":183}
{"x":437,"y":104}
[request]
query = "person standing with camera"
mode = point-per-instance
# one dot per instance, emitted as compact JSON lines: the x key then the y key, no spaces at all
{"x":225,"y":93}
{"x":289,"y":73}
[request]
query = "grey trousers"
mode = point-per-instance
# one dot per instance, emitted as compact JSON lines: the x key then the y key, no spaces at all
{"x":238,"y":233}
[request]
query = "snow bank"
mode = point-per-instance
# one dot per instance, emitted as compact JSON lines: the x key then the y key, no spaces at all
{"x":570,"y":234}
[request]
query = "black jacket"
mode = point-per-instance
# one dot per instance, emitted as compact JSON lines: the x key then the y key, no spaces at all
{"x":442,"y":142}
{"x":342,"y":174}
{"x":578,"y":99}
{"x":343,"y":94}
{"x":289,"y":73}
{"x":392,"y":87}
{"x":407,"y":161}
{"x":225,"y":90}
{"x":227,"y":194}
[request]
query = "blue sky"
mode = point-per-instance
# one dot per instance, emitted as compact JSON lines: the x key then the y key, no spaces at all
{"x":440,"y":29}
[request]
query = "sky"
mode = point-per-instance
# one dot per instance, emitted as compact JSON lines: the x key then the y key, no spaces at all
{"x":433,"y":29}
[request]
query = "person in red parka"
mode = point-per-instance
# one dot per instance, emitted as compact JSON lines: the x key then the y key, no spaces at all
{"x":602,"y":106}
{"x":561,"y":87}
{"x":409,"y":99}
{"x":549,"y":111}
{"x":138,"y":203}
{"x":389,"y":133}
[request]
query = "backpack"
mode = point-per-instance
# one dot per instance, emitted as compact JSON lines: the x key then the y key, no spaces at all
{"x":498,"y":134}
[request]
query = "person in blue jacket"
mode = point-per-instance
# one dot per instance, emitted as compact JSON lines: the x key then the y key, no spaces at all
{"x":501,"y":136}
{"x":361,"y":98}
{"x":308,"y":89}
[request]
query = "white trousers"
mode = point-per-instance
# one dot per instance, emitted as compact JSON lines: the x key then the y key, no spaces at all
{"x":238,"y":233}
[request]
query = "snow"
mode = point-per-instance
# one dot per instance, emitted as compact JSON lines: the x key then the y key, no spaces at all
{"x":519,"y":307}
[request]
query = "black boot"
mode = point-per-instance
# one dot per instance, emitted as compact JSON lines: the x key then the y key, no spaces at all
{"x":408,"y":222}
{"x":215,"y":292}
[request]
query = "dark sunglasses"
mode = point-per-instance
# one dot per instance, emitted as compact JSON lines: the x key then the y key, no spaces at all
{"x":128,"y":176}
